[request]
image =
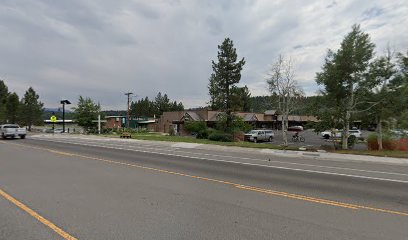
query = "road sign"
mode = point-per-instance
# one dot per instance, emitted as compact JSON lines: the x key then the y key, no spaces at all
{"x":53,"y":119}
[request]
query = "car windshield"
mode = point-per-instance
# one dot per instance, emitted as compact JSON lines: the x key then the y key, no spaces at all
{"x":11,"y":126}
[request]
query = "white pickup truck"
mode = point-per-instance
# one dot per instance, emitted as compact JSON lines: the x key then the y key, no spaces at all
{"x":12,"y":131}
{"x":259,"y":135}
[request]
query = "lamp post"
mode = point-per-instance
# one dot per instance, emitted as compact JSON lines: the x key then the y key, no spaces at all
{"x":63,"y":102}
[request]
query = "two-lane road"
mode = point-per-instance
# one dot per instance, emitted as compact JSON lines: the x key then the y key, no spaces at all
{"x":66,"y":187}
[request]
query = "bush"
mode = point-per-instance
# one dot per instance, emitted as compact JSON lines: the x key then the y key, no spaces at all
{"x":195,"y":126}
{"x":202,"y":134}
{"x":172,"y":132}
{"x":220,"y":137}
{"x":387,"y":141}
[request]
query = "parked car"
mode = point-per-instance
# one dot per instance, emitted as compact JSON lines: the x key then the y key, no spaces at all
{"x":12,"y":131}
{"x":399,"y":132}
{"x":259,"y":135}
{"x":337,"y":133}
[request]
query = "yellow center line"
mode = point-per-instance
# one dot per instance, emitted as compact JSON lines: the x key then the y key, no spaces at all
{"x":237,"y":185}
{"x":37,"y":216}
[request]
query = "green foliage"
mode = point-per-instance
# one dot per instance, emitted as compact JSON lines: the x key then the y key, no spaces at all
{"x":195,"y":126}
{"x":202,"y":134}
{"x":345,"y":77}
{"x":31,"y":109}
{"x":12,"y":108}
{"x":220,"y":137}
{"x":403,"y":120}
{"x":85,"y":112}
{"x":240,"y":99}
{"x":387,"y":141}
{"x":162,"y":103}
{"x":263,"y":103}
{"x":237,"y":125}
{"x":3,"y":101}
{"x":227,"y":73}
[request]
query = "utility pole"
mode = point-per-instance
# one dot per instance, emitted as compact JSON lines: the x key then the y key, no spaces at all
{"x":128,"y":108}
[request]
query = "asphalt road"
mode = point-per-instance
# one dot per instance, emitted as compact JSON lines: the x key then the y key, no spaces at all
{"x":314,"y":140}
{"x":65,"y":187}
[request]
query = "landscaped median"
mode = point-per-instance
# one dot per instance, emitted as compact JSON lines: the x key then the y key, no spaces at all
{"x":190,"y":139}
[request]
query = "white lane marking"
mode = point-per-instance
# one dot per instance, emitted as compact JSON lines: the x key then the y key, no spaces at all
{"x":251,"y":164}
{"x":251,"y":159}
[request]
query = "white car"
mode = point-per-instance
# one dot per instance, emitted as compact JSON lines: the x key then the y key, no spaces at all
{"x":337,"y":133}
{"x":12,"y":131}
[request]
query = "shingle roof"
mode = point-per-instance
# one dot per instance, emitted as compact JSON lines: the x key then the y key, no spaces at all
{"x":270,"y":112}
{"x":193,"y":116}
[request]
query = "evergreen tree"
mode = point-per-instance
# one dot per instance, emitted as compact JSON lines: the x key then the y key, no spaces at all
{"x":12,"y":108}
{"x":227,"y":73}
{"x":86,"y":111}
{"x":31,"y":109}
{"x":3,"y":100}
{"x":240,"y":99}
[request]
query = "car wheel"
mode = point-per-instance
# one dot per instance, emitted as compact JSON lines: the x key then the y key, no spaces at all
{"x":327,"y":136}
{"x":22,"y":136}
{"x":3,"y":136}
{"x":255,"y":140}
{"x":270,"y":139}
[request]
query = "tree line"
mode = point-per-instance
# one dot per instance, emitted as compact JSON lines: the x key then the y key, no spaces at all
{"x":26,"y":111}
{"x":149,"y":108}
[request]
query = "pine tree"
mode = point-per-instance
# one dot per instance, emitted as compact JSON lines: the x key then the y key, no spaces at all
{"x":12,"y":108}
{"x":31,"y":109}
{"x":227,"y":73}
{"x":86,"y":111}
{"x":3,"y":100}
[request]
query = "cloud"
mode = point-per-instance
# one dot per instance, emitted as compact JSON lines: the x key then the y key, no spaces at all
{"x":104,"y":48}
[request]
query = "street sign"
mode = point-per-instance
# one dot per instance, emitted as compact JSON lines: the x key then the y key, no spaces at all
{"x":53,"y":119}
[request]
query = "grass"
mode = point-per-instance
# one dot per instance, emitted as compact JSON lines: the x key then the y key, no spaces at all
{"x":167,"y":138}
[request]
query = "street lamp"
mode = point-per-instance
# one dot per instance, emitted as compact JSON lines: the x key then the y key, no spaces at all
{"x":63,"y":102}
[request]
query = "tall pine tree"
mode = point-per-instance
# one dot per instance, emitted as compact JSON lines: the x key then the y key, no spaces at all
{"x":227,"y":73}
{"x":12,"y":108}
{"x":3,"y":100}
{"x":31,"y":109}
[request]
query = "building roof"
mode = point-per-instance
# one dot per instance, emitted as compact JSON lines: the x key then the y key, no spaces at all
{"x":270,"y":112}
{"x":192,"y":116}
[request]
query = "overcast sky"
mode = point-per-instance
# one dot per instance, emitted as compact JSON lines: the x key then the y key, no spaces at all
{"x":103,"y":48}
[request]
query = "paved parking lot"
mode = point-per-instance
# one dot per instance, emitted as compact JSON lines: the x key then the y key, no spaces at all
{"x":313,"y":139}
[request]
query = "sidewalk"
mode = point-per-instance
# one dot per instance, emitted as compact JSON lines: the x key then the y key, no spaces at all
{"x":294,"y":154}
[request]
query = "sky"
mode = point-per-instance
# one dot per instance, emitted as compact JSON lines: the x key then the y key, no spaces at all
{"x":103,"y":48}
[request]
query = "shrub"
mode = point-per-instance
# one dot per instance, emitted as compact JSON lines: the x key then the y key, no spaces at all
{"x":195,"y":126}
{"x":172,"y":132}
{"x":220,"y":137}
{"x":202,"y":134}
{"x":387,"y":141}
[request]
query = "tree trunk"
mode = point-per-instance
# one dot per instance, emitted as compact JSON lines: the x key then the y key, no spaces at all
{"x":379,"y":134}
{"x":284,"y":130}
{"x":344,"y":135}
{"x":346,"y":127}
{"x":285,"y":123}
